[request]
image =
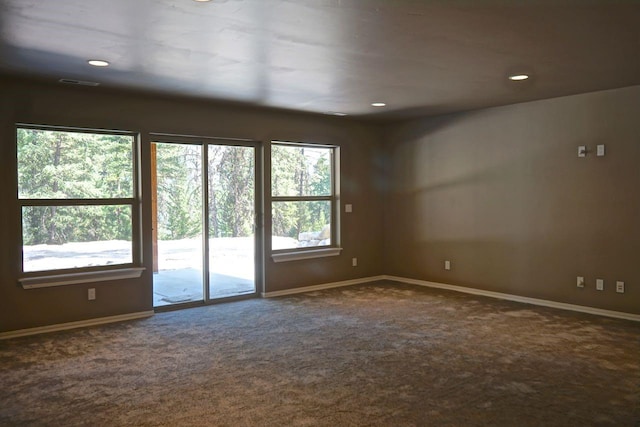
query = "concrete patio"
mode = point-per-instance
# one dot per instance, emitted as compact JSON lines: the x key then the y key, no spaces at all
{"x":180,"y":276}
{"x":185,"y":285}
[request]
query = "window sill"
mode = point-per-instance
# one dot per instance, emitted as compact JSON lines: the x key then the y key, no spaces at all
{"x":298,"y":255}
{"x":77,"y":278}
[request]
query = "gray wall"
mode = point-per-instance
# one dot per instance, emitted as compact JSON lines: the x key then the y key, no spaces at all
{"x":502,"y":194}
{"x":53,"y":104}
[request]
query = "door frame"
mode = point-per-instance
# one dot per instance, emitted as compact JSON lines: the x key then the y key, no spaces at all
{"x":204,"y":142}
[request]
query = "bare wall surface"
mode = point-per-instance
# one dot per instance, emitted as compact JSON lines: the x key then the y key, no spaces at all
{"x":38,"y":103}
{"x":502,"y":194}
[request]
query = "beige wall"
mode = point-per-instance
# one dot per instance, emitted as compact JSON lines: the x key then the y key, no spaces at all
{"x":55,"y":104}
{"x":502,"y":194}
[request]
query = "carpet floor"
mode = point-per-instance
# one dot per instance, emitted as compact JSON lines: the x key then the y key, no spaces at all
{"x":381,"y":354}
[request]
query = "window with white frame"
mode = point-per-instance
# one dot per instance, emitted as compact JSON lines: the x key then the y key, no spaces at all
{"x":77,"y":199}
{"x":304,"y":196}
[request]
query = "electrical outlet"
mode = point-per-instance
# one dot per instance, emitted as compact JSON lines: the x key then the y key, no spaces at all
{"x":620,"y":287}
{"x":447,"y":265}
{"x":580,"y":282}
{"x":91,"y":294}
{"x":354,"y":262}
{"x":599,"y":285}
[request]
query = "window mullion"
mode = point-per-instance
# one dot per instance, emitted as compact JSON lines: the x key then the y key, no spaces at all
{"x":301,"y":198}
{"x":76,"y":202}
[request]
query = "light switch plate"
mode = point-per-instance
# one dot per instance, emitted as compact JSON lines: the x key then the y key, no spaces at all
{"x":348,"y":208}
{"x":599,"y":285}
{"x":580,"y":282}
{"x":582,"y":151}
{"x":620,"y":287}
{"x":600,"y":150}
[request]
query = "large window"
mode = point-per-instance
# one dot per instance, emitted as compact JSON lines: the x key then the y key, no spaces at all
{"x":304,"y":195}
{"x":77,"y":199}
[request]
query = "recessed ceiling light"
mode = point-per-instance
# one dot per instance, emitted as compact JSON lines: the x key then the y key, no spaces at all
{"x":98,"y":63}
{"x":202,"y":1}
{"x":518,"y":77}
{"x":336,"y":113}
{"x":378,"y":104}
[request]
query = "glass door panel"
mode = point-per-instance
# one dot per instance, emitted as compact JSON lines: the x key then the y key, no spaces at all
{"x":231,"y":224}
{"x":178,"y":226}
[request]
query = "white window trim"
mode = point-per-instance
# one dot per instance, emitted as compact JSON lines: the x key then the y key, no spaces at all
{"x":78,"y":278}
{"x":308,"y":254}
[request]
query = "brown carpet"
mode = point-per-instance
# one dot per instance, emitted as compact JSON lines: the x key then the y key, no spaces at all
{"x":373,"y":355}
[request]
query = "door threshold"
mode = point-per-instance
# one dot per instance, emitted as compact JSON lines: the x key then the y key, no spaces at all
{"x":192,"y":304}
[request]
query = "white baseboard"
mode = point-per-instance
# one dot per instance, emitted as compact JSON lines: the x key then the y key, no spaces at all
{"x":322,"y":286}
{"x":498,"y":295}
{"x":73,"y":325}
{"x":526,"y":300}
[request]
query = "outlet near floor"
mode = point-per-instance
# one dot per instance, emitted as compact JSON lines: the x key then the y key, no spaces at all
{"x":91,"y":294}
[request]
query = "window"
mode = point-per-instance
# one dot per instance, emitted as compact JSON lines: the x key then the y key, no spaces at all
{"x":77,"y":199}
{"x":304,"y":197}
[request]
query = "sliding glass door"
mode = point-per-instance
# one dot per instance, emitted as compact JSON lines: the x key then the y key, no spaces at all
{"x":231,"y":226}
{"x":204,"y":229}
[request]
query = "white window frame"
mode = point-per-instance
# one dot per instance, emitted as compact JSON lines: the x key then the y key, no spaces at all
{"x":70,"y":276}
{"x":294,"y":254}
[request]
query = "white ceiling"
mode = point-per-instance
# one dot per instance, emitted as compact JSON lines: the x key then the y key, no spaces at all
{"x":420,"y":57}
